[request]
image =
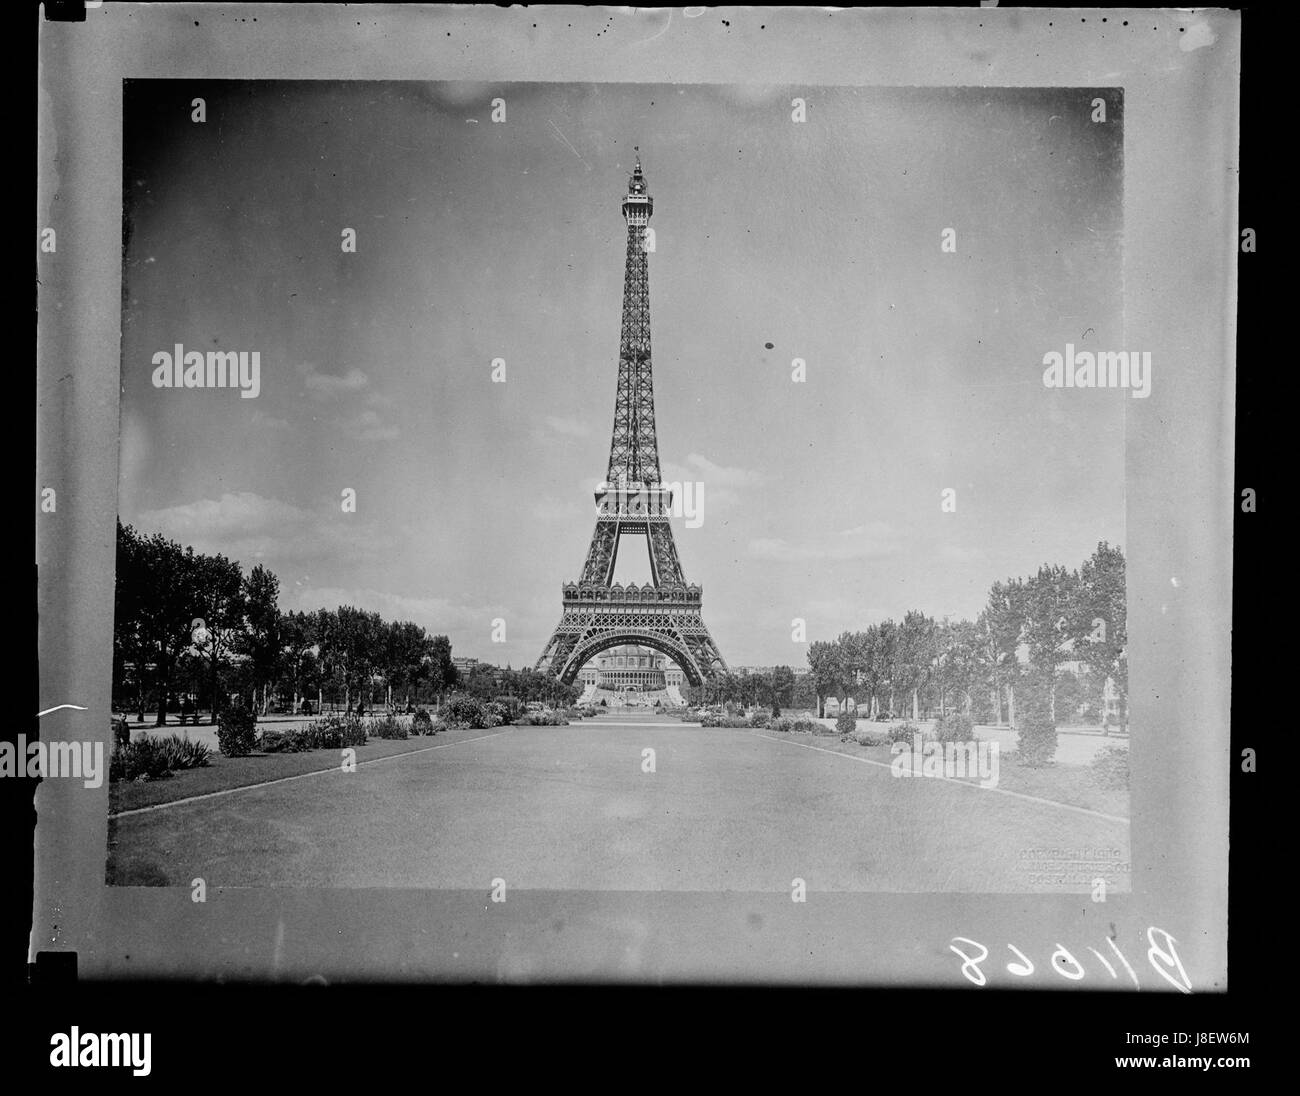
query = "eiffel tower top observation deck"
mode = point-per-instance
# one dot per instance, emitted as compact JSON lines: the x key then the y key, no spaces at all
{"x":663,"y":614}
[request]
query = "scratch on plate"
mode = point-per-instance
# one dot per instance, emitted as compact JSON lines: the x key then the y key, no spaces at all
{"x":563,"y":138}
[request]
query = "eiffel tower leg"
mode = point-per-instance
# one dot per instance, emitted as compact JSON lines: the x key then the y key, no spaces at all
{"x":664,"y":564}
{"x":602,"y":553}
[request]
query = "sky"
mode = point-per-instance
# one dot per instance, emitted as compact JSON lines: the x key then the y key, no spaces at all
{"x":479,"y":241}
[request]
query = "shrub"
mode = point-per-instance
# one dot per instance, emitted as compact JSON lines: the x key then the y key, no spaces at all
{"x":180,"y":753}
{"x":512,"y":706}
{"x":334,"y":732}
{"x":439,"y":727}
{"x":871,"y":738}
{"x":237,"y":731}
{"x":955,"y":727}
{"x":121,"y":732}
{"x":1035,"y":735}
{"x":1110,"y":768}
{"x":386,"y":726}
{"x":713,"y":720}
{"x":467,"y":711}
{"x":902,"y":732}
{"x":541,"y":719}
{"x":760,"y":719}
{"x":143,"y":759}
{"x":784,"y":724}
{"x":846,"y":722}
{"x":422,"y":723}
{"x":822,"y":729}
{"x":282,"y":742}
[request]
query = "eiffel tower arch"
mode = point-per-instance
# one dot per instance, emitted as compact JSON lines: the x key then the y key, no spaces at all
{"x":663,"y":614}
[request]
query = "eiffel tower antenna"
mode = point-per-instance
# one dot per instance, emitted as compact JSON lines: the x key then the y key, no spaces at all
{"x":663,"y":614}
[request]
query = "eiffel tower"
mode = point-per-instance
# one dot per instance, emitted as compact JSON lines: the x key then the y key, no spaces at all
{"x":663,"y":614}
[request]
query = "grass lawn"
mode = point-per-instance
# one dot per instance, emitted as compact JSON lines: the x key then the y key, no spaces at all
{"x":239,"y":772}
{"x":1069,"y":784}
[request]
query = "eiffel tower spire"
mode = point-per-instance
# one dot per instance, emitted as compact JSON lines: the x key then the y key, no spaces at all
{"x":634,"y":448}
{"x":665,"y":613}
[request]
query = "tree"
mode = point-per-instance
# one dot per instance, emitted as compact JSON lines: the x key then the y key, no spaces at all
{"x":869,"y":668}
{"x":957,"y":662}
{"x":1099,"y":627}
{"x":261,"y":640}
{"x":218,"y":598}
{"x":1035,"y":614}
{"x":1002,"y":623}
{"x":781,"y":688}
{"x":329,"y":650}
{"x":406,"y":649}
{"x":855,"y":663}
{"x":914,"y":655}
{"x":298,"y":639}
{"x":167,"y":599}
{"x":354,"y":639}
{"x":826,"y":662}
{"x":440,"y":672}
{"x":130,"y":616}
{"x":1047,"y":609}
{"x":884,"y":659}
{"x":805,"y":692}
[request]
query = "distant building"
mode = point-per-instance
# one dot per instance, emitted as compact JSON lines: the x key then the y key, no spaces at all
{"x":464,"y":665}
{"x":631,"y":667}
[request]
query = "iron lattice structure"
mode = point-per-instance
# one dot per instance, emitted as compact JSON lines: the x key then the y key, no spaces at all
{"x":663,"y":614}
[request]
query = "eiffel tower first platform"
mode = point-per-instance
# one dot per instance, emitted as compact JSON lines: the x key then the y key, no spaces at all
{"x":664,"y":614}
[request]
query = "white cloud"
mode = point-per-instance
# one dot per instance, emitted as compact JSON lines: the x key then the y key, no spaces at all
{"x":437,"y":614}
{"x":369,"y":426}
{"x":248,"y":527}
{"x":723,"y":476}
{"x":723,"y":486}
{"x":271,"y":422}
{"x":324,"y":386}
{"x":231,"y":515}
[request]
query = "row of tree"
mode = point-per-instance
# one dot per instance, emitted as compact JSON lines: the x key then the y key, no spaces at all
{"x":1029,"y":629}
{"x":777,"y":688}
{"x":189,"y":623}
{"x":491,"y":682}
